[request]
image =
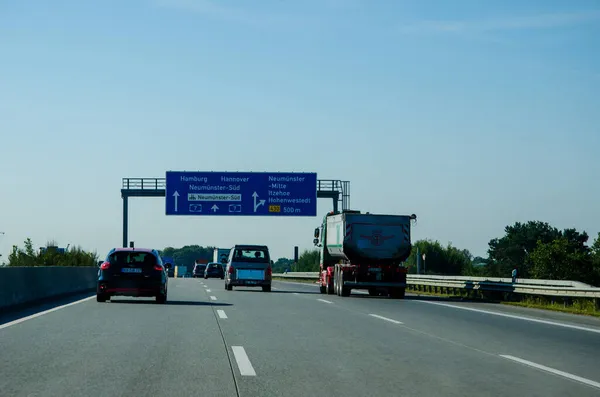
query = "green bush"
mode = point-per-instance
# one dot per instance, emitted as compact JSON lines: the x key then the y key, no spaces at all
{"x":27,"y":256}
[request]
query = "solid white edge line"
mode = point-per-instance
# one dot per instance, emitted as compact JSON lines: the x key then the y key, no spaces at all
{"x":243,"y":362}
{"x":323,"y":300}
{"x":553,"y":371}
{"x":221,"y":313}
{"x":385,"y":318}
{"x":20,"y":320}
{"x":535,"y":320}
{"x":292,"y":282}
{"x":213,"y":298}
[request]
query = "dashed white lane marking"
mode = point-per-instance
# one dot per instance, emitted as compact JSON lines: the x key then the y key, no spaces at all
{"x":221,"y":313}
{"x":243,"y":362}
{"x":553,"y":371}
{"x":213,"y":298}
{"x":535,"y":320}
{"x":207,"y":290}
{"x":386,"y":319}
{"x":325,"y":301}
{"x":15,"y":322}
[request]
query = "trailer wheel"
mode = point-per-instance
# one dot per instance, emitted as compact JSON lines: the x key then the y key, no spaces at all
{"x":330,"y":289}
{"x":336,"y":282}
{"x":373,"y":292}
{"x":344,"y":291}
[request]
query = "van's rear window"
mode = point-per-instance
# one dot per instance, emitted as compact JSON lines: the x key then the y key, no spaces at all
{"x":250,"y":255}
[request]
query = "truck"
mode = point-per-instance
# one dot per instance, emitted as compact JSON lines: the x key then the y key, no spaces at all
{"x":220,"y":255}
{"x":363,"y":251}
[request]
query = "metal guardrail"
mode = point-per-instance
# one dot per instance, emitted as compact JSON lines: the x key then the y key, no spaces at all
{"x":563,"y":288}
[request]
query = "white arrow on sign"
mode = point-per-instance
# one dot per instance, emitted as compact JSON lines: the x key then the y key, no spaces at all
{"x":176,"y":194}
{"x":260,"y":202}
{"x":214,"y":208}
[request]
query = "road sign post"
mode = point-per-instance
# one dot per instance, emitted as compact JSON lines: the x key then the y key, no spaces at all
{"x":241,"y":193}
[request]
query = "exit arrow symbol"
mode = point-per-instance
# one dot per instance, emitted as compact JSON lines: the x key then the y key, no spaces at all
{"x":260,"y":202}
{"x":214,"y":208}
{"x":176,"y":194}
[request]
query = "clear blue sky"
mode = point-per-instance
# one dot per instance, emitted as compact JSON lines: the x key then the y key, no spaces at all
{"x":471,"y":114}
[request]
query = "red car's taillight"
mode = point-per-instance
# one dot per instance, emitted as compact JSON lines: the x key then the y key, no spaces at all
{"x":159,"y":268}
{"x":105,"y":266}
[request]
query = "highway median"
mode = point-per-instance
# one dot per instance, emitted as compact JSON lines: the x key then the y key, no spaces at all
{"x":20,"y":286}
{"x":50,"y":273}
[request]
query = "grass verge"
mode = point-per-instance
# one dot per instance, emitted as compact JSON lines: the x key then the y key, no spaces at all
{"x":584,"y":307}
{"x":296,"y":280}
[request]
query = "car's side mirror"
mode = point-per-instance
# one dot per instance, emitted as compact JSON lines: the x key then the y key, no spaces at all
{"x":100,"y":263}
{"x":272,"y":263}
{"x":168,"y":266}
{"x":317,"y":233}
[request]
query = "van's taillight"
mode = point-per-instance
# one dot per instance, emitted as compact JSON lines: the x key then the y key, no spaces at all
{"x":230,"y":270}
{"x":158,"y":267}
{"x":105,"y":266}
{"x":268,"y":273}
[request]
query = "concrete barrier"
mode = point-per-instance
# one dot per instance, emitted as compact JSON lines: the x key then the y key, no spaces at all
{"x":24,"y":285}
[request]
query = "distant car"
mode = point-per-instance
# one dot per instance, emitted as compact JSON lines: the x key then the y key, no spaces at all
{"x":137,"y":272}
{"x":249,"y":266}
{"x":214,"y":269}
{"x":199,"y":270}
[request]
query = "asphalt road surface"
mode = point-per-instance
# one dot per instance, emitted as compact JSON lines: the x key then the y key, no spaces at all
{"x":295,"y":342}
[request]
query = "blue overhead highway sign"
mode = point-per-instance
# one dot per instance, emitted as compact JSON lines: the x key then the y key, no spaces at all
{"x":241,"y":193}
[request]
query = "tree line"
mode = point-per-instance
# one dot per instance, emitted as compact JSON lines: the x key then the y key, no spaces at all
{"x":536,"y":249}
